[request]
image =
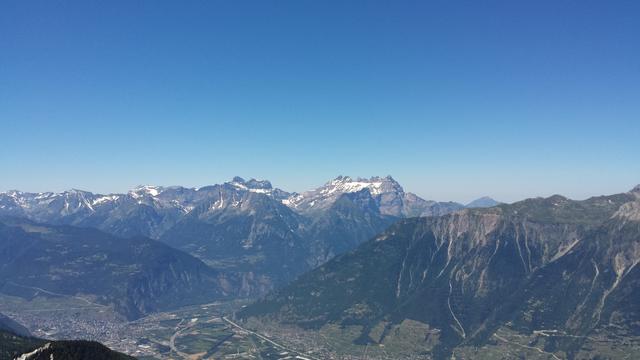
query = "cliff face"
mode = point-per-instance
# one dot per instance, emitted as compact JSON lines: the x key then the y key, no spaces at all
{"x":539,"y":264}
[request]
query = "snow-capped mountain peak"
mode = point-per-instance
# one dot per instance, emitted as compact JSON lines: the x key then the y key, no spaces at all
{"x":387,"y":193}
{"x":258,"y":186}
{"x":345,"y":184}
{"x":156,"y":208}
{"x":104,"y":199}
{"x":148,"y":190}
{"x":326,"y":195}
{"x":261,"y":186}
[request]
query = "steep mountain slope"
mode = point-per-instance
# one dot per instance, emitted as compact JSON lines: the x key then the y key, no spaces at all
{"x":136,"y":276}
{"x":247,"y":232}
{"x":350,"y":220}
{"x":267,"y":235}
{"x":13,"y":345}
{"x":255,"y":233}
{"x":538,"y":264}
{"x":15,"y":339}
{"x":7,"y":324}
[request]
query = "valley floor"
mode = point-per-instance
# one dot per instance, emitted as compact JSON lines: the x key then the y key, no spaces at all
{"x":209,"y":331}
{"x":194,"y":332}
{"x":415,"y":340}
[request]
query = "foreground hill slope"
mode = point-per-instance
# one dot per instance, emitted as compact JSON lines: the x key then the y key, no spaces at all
{"x":9,"y":325}
{"x":549,"y":264}
{"x":17,"y":343}
{"x":13,"y":345}
{"x":73,"y":350}
{"x":18,"y":347}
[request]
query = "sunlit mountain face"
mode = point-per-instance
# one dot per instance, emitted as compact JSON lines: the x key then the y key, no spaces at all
{"x":155,"y":250}
{"x":550,"y":276}
{"x":266,"y":235}
{"x":360,"y":263}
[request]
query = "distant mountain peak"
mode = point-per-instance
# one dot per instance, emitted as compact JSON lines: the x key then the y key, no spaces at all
{"x":237,"y":179}
{"x":150,"y":190}
{"x":13,"y":193}
{"x":482,"y":202}
{"x":636,"y":189}
{"x":343,"y":179}
{"x":253,"y":185}
{"x":388,"y":194}
{"x":375,"y":184}
{"x":76,"y":191}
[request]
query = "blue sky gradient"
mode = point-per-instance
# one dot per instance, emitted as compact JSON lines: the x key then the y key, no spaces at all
{"x":455,"y":99}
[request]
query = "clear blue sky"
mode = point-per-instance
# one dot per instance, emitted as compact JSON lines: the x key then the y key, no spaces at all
{"x":455,"y":99}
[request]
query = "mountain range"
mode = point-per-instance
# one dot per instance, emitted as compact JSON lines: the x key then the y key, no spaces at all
{"x":360,"y":260}
{"x":152,"y":210}
{"x":266,"y":235}
{"x":558,"y":273}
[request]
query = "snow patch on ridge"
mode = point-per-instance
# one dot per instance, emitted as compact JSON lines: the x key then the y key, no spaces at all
{"x":150,"y":190}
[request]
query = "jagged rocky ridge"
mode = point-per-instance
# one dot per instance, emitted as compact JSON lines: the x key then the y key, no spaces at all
{"x":268,"y":235}
{"x":556,"y":265}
